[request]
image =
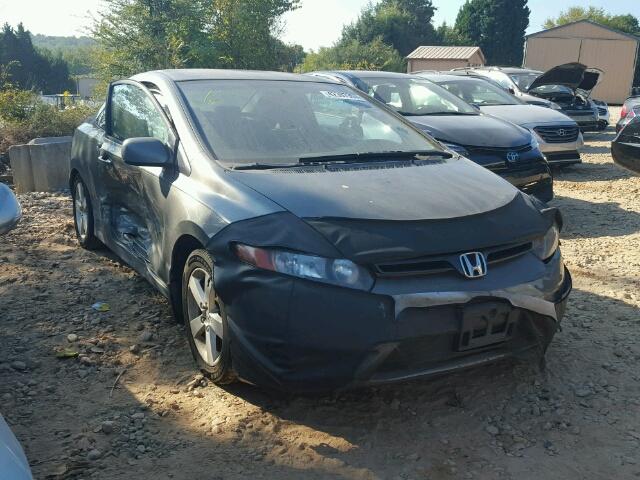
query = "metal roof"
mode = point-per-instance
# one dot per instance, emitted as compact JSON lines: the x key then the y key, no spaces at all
{"x":445,"y":53}
{"x":604,"y":27}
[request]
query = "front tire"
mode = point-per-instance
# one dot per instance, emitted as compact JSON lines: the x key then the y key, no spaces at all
{"x":83,"y":216}
{"x":205,"y":319}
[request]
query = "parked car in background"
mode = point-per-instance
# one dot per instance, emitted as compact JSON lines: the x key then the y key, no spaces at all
{"x":604,"y":116}
{"x":558,"y":135}
{"x":500,"y":146}
{"x":310,"y":238}
{"x":10,"y":211}
{"x":625,"y":148}
{"x":13,"y":462}
{"x":566,"y":87}
{"x":630,"y":110}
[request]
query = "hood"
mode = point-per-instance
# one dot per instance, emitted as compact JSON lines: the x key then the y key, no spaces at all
{"x":527,"y":115}
{"x":473,"y":130}
{"x":592,"y":77}
{"x":371,"y":214}
{"x":575,"y":76}
{"x":428,"y":191}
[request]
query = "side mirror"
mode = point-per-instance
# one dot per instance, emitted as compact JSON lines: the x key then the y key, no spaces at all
{"x":146,"y":152}
{"x":511,"y":90}
{"x":10,"y":211}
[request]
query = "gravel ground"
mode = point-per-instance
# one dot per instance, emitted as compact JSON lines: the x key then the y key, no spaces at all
{"x":113,"y":395}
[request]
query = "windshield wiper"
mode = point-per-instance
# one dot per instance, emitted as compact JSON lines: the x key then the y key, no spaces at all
{"x":369,"y":156}
{"x":261,"y":166}
{"x":449,"y":113}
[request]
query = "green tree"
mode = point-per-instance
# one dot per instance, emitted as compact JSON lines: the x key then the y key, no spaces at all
{"x":26,"y":67}
{"x":139,"y":35}
{"x":625,"y":23}
{"x":449,"y":35}
{"x":353,"y":55}
{"x":497,"y":26}
{"x":402,"y":24}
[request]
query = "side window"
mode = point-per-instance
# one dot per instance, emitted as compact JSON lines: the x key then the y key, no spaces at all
{"x":502,"y":79}
{"x":133,"y":114}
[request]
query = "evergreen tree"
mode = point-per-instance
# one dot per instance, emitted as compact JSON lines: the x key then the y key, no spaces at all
{"x":24,"y":67}
{"x":497,"y":26}
{"x":401,"y":24}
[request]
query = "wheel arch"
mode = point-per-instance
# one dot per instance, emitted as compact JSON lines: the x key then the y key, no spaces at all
{"x":182,"y":248}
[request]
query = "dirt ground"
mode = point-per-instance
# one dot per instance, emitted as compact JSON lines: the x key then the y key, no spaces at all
{"x":131,"y":406}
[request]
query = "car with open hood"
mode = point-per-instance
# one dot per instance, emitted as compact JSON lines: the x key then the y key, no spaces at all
{"x":567,"y":87}
{"x":559,"y":136}
{"x":504,"y":148}
{"x":309,"y":238}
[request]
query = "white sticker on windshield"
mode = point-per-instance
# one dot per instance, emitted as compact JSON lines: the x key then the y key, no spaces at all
{"x":342,"y":95}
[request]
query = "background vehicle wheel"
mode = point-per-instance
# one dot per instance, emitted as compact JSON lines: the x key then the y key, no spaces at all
{"x":205,"y":319}
{"x":83,"y":216}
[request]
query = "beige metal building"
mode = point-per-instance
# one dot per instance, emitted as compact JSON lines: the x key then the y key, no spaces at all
{"x":591,"y":44}
{"x":444,"y":58}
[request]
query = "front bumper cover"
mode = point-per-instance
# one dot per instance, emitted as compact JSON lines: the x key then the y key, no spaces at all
{"x":311,"y":337}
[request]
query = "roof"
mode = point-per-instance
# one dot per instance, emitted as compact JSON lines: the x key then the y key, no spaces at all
{"x":444,"y":77}
{"x":370,"y":73}
{"x":445,"y":53}
{"x":186,"y":74}
{"x":628,"y":35}
{"x":507,"y":69}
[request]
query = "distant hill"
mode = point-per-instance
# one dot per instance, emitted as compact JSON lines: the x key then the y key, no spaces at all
{"x":61,"y":44}
{"x":76,"y":51}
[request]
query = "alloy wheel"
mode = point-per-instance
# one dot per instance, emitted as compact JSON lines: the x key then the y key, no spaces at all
{"x":81,"y":213}
{"x":205,"y":319}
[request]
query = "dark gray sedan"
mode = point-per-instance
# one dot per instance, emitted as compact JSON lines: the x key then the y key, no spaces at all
{"x":309,"y":238}
{"x":558,"y":135}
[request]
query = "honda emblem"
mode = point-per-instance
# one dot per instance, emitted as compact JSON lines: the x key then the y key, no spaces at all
{"x":473,"y":264}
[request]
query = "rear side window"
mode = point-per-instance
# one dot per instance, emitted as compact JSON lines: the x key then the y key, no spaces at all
{"x":133,"y":115}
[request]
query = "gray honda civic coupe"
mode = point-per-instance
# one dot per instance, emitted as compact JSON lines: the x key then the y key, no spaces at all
{"x":309,"y":238}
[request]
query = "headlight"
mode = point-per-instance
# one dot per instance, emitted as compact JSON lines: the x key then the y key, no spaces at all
{"x":338,"y":271}
{"x":554,"y":106}
{"x":535,"y":143}
{"x":546,"y":246}
{"x":459,"y":149}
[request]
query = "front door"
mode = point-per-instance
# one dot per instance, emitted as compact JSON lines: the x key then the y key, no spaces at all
{"x":132,"y":211}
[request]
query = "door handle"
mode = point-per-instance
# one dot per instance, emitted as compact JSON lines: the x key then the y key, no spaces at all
{"x":103,"y":156}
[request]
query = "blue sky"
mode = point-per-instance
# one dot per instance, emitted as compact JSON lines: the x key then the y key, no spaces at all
{"x":317,"y":23}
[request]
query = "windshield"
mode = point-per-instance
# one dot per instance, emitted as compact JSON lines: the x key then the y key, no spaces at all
{"x":479,"y":92}
{"x":249,"y":121}
{"x":524,"y":80}
{"x":413,"y":97}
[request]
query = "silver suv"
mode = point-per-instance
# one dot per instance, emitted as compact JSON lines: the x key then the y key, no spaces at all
{"x":565,"y":87}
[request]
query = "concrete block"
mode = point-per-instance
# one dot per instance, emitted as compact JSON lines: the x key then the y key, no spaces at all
{"x":20,"y":161}
{"x":42,"y":165}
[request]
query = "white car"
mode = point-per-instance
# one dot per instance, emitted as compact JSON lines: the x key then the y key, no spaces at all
{"x":13,"y":462}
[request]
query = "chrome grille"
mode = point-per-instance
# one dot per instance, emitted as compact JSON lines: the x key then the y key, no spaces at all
{"x":561,"y":134}
{"x":447,"y":263}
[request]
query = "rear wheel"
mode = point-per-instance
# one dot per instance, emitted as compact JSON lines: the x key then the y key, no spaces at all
{"x":83,"y":216}
{"x":205,"y":319}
